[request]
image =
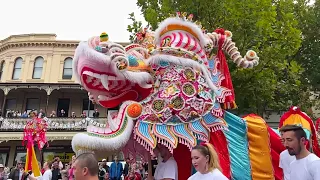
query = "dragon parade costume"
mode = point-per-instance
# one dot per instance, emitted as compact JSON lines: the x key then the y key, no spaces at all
{"x":173,"y":87}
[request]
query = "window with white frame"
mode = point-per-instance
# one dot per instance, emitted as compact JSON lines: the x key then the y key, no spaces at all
{"x":17,"y":69}
{"x":67,"y":68}
{"x":37,"y":68}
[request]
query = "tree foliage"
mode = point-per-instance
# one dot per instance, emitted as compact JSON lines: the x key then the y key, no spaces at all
{"x":272,"y":28}
{"x":134,"y":27}
{"x":309,"y":52}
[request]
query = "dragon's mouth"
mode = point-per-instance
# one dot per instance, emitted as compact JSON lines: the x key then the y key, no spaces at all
{"x":115,"y":133}
{"x":114,"y":123}
{"x":115,"y":88}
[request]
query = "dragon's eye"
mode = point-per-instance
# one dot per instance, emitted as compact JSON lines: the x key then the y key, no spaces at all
{"x":121,"y":63}
{"x":166,"y":42}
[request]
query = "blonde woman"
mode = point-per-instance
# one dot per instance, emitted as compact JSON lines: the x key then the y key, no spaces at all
{"x":206,"y":161}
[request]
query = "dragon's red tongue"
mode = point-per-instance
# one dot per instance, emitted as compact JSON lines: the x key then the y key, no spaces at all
{"x":111,"y":103}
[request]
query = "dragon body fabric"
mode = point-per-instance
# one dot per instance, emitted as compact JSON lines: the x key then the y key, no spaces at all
{"x":172,"y":89}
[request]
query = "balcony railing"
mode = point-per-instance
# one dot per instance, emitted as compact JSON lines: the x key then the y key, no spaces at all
{"x":54,"y":124}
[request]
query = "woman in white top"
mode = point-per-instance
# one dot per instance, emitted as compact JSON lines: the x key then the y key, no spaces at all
{"x":206,"y":161}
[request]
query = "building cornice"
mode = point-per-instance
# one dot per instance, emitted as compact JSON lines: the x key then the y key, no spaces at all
{"x":37,"y":43}
{"x":13,"y":37}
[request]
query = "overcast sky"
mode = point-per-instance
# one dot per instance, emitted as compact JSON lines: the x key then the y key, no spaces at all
{"x":69,"y":19}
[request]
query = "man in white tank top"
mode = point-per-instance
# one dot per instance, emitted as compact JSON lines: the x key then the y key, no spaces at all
{"x":307,"y":165}
{"x":285,"y":161}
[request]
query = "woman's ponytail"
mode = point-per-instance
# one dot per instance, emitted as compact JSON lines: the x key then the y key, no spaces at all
{"x":214,"y":159}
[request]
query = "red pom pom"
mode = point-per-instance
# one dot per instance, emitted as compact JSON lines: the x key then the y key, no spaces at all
{"x":219,"y":31}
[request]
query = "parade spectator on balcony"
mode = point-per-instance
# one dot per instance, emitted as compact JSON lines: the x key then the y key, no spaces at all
{"x":96,"y":114}
{"x":116,"y":169}
{"x":41,"y":114}
{"x":24,"y":114}
{"x":16,"y":114}
{"x":3,"y":175}
{"x":9,"y":113}
{"x":73,"y":115}
{"x":53,"y":114}
{"x":33,"y":113}
{"x":84,"y":114}
{"x":62,"y":113}
{"x":17,"y":173}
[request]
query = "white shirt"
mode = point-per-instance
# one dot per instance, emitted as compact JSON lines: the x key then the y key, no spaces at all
{"x":307,"y":168}
{"x":284,"y":163}
{"x":47,"y":175}
{"x":213,"y":175}
{"x":168,"y":169}
{"x":20,"y":173}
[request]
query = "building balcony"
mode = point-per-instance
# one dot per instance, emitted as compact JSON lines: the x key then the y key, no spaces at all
{"x":54,"y":124}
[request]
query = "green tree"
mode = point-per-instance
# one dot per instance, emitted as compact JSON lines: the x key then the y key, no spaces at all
{"x":267,"y":26}
{"x":309,"y":53}
{"x":134,"y":27}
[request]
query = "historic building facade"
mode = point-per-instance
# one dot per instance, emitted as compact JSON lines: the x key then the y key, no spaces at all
{"x":36,"y":75}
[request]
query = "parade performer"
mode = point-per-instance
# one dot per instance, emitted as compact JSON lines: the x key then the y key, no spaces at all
{"x":206,"y":162}
{"x":306,"y":165}
{"x":34,"y":134}
{"x":174,"y":91}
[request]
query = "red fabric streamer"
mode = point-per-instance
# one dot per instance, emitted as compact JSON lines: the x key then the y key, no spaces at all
{"x":276,"y":148}
{"x":182,"y":155}
{"x":219,"y":141}
{"x":29,"y":154}
{"x":317,"y":124}
{"x":224,"y":69}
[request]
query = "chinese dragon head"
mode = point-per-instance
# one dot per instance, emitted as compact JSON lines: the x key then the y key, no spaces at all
{"x":171,"y":86}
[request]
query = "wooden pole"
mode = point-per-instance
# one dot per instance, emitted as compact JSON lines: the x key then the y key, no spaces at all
{"x":150,"y":177}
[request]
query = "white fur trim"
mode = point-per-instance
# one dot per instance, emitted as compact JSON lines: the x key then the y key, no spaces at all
{"x":173,"y":20}
{"x":103,"y":144}
{"x":83,"y":49}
